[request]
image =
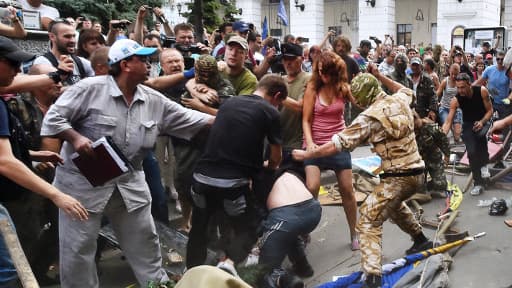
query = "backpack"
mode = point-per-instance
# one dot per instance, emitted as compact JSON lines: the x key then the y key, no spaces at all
{"x":20,"y":149}
{"x":81,"y":70}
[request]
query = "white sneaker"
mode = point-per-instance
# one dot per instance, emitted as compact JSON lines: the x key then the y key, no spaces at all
{"x":477,"y":190}
{"x":227,"y":265}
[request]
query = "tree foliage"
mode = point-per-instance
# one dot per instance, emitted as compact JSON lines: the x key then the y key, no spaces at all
{"x":101,"y":10}
{"x":211,"y":11}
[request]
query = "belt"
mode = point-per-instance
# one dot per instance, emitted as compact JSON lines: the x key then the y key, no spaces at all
{"x":413,"y":172}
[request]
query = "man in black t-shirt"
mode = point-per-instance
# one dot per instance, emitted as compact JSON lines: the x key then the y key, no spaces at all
{"x":232,"y":157}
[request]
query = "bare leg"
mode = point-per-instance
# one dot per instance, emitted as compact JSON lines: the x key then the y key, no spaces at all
{"x":348,"y":197}
{"x":313,"y":179}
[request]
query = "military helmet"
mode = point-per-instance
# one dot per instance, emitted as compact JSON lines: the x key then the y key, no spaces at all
{"x":365,"y":87}
{"x":498,"y":207}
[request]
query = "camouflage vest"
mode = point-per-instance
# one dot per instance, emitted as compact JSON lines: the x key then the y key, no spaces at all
{"x":397,"y":120}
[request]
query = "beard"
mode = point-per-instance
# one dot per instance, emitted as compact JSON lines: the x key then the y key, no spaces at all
{"x":64,"y":49}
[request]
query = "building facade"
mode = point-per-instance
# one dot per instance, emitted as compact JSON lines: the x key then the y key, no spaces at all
{"x":410,"y":22}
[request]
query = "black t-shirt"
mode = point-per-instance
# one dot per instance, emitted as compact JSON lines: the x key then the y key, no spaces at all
{"x":473,"y":108}
{"x":235,"y":146}
{"x":4,"y":121}
{"x":352,"y":67}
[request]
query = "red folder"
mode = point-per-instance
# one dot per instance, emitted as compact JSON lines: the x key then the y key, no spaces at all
{"x":107,"y":163}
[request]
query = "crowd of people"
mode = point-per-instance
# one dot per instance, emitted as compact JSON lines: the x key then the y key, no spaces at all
{"x":236,"y":130}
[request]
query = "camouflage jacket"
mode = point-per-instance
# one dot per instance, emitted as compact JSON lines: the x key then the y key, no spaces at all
{"x":430,"y":139}
{"x":426,"y":99}
{"x":24,"y":107}
{"x":389,"y":126}
{"x":224,"y":90}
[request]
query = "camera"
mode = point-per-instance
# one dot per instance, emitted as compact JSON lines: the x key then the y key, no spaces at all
{"x":13,"y":3}
{"x":121,"y":25}
{"x":168,"y":42}
{"x":192,"y":49}
{"x":375,"y":39}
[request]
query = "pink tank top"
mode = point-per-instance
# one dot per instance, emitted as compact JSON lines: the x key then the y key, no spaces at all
{"x":327,"y":120}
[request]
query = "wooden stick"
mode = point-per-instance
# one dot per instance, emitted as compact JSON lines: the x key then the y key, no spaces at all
{"x":27,"y":278}
{"x":446,"y":224}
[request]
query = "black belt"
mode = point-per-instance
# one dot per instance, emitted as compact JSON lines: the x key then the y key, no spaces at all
{"x":413,"y":172}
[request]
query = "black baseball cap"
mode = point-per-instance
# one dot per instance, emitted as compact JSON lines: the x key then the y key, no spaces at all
{"x":12,"y":52}
{"x":365,"y":43}
{"x":291,"y":50}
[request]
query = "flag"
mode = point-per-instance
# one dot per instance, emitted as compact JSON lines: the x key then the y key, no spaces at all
{"x":264,"y":29}
{"x":281,"y":13}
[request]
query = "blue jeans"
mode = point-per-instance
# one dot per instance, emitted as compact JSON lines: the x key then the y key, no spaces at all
{"x":159,"y":208}
{"x":281,"y":230}
{"x":7,"y":271}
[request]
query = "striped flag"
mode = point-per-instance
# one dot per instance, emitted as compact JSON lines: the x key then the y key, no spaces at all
{"x":281,"y":13}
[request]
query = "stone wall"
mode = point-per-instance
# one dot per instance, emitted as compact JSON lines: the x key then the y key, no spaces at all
{"x":36,"y":42}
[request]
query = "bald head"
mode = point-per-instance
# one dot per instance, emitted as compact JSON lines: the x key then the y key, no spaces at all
{"x":99,"y":61}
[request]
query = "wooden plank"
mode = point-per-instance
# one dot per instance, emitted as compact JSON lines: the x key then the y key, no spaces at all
{"x":27,"y":278}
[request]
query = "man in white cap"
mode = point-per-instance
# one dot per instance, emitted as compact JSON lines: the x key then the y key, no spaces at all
{"x":115,"y":105}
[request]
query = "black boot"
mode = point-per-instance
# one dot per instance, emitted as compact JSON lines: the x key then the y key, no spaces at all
{"x":280,"y":278}
{"x":421,"y":243}
{"x":372,"y":281}
{"x":302,"y":268}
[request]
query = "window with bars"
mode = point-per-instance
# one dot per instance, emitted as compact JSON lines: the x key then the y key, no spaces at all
{"x":404,"y":34}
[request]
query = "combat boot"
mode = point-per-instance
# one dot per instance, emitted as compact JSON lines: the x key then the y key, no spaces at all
{"x":372,"y":281}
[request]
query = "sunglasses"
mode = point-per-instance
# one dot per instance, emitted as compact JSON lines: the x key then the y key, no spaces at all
{"x":499,"y":59}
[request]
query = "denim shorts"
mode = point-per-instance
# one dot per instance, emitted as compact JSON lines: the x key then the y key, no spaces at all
{"x":336,"y":162}
{"x":443,"y":114}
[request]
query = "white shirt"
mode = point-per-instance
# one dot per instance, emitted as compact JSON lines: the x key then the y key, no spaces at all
{"x":44,"y":11}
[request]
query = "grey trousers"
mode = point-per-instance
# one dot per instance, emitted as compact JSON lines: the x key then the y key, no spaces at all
{"x":136,"y":234}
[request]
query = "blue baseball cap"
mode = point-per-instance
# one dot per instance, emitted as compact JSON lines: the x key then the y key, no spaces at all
{"x":240,"y":26}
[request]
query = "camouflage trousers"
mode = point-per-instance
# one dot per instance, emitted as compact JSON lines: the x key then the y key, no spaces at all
{"x":434,"y":165}
{"x":386,"y":201}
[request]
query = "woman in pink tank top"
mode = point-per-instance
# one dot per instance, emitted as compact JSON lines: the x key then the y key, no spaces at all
{"x":322,"y":117}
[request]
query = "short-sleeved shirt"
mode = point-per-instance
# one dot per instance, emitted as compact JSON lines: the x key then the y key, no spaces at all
{"x":497,"y":83}
{"x":44,"y":10}
{"x":234,"y":149}
{"x":244,"y":83}
{"x":89,"y":72}
{"x":352,"y":66}
{"x":95,"y":107}
{"x":291,"y":121}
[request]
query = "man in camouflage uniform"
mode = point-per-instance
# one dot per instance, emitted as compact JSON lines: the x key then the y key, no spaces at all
{"x":426,"y":99}
{"x":399,"y":75}
{"x":432,"y":145}
{"x":389,"y":125}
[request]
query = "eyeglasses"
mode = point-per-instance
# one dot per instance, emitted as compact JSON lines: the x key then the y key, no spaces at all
{"x":499,"y":59}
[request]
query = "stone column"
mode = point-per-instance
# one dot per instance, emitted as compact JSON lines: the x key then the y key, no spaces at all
{"x":376,"y":21}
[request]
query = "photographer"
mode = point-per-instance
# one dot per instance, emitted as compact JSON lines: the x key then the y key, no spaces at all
{"x":117,"y":30}
{"x":139,"y":22}
{"x":16,"y":29}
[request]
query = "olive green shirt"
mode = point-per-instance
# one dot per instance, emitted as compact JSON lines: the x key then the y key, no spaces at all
{"x":291,"y":121}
